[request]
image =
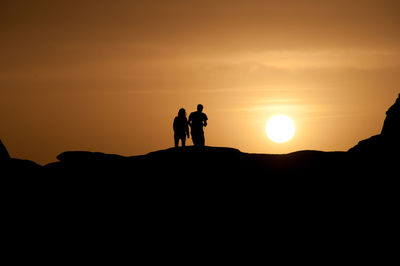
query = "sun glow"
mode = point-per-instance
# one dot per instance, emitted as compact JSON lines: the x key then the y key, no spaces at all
{"x":280,"y":128}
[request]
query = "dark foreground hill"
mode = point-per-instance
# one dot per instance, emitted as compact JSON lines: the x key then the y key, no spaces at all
{"x":208,"y":204}
{"x":370,"y":167}
{"x":194,"y":162}
{"x":193,"y":204}
{"x":376,"y":156}
{"x":210,"y":162}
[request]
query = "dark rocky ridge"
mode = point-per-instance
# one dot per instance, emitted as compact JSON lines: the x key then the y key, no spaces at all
{"x":207,"y":162}
{"x":386,"y":144}
{"x":336,"y":204}
{"x":12,"y":167}
{"x":3,"y":152}
{"x":377,"y":155}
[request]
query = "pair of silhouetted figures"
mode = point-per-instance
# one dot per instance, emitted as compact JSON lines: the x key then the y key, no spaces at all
{"x":197,"y":120}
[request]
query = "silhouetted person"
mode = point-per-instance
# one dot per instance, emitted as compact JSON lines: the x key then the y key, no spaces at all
{"x":198,"y":120}
{"x":181,"y":129}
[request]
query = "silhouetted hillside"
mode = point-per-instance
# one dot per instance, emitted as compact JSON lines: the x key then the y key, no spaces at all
{"x":192,"y":194}
{"x":382,"y":151}
{"x":218,"y":163}
{"x":377,"y":155}
{"x":206,"y":162}
{"x":3,"y":152}
{"x":12,"y":167}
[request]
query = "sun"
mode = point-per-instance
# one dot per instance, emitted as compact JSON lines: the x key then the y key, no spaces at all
{"x":280,"y":128}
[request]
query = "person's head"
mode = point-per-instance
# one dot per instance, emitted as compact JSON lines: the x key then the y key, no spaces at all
{"x":182,"y":112}
{"x":199,"y":107}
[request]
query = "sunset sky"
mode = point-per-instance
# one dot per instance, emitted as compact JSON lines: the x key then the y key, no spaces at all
{"x":110,"y":76}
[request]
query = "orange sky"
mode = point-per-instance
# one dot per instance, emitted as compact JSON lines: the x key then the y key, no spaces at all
{"x":110,"y":76}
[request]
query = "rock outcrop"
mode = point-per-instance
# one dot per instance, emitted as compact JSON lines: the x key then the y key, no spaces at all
{"x":388,"y":142}
{"x":377,"y":155}
{"x":12,"y":167}
{"x":391,"y":126}
{"x":3,"y":152}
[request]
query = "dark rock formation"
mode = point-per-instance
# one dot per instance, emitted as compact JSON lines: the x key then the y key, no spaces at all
{"x":391,"y":126}
{"x":374,"y":156}
{"x":330,"y":198}
{"x":22,"y":168}
{"x":11,"y":167}
{"x":386,"y":144}
{"x":199,"y":163}
{"x":3,"y":152}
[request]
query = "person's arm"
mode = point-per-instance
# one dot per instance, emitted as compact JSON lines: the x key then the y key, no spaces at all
{"x":205,"y":120}
{"x":187,"y":129}
{"x":190,"y":120}
{"x":174,"y":125}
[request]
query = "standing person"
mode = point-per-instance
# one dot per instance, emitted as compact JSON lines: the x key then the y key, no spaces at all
{"x":198,"y":120}
{"x":181,"y":129}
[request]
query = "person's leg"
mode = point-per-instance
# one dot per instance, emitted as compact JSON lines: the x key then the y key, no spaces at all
{"x":201,"y":140}
{"x":176,"y":139}
{"x":183,"y":139}
{"x":195,"y":139}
